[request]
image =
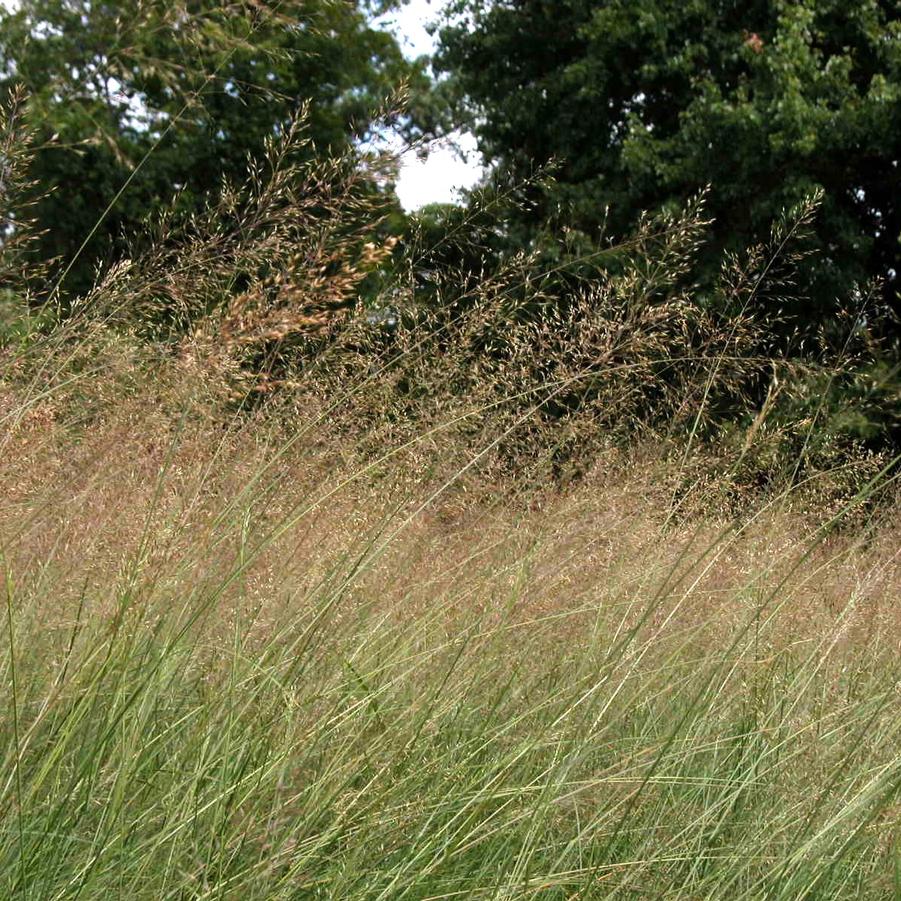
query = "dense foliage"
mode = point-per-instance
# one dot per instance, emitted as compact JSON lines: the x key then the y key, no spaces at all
{"x":168,"y":99}
{"x":640,"y":104}
{"x":196,"y":171}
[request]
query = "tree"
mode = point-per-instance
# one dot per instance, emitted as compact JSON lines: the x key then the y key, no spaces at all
{"x":172,"y":98}
{"x":643,"y":102}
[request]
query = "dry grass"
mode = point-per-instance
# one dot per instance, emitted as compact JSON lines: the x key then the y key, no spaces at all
{"x":79,"y":501}
{"x":631,"y":651}
{"x":296,"y":607}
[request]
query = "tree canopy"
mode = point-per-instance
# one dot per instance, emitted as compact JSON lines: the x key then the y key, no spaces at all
{"x":641,"y":103}
{"x":173,"y":97}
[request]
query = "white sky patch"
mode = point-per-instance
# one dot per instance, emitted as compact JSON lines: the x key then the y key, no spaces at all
{"x":451,"y":166}
{"x":409,"y":24}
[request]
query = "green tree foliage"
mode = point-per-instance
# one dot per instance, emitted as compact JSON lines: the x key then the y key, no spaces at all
{"x":642,"y":102}
{"x":172,"y":98}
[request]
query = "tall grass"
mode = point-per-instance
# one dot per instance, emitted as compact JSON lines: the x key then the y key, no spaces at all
{"x":237,"y":671}
{"x":315,"y":647}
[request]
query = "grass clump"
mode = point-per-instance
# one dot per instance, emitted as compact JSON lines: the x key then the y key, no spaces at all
{"x":236,"y":672}
{"x":298,"y":605}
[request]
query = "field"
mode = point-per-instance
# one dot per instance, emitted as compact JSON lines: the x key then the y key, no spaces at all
{"x":242,"y":660}
{"x":337,"y":564}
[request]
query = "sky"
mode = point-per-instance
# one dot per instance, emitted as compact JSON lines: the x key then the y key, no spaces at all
{"x":450,"y":165}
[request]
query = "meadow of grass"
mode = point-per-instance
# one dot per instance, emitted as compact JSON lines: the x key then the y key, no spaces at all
{"x":290,"y":613}
{"x":242,"y":662}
